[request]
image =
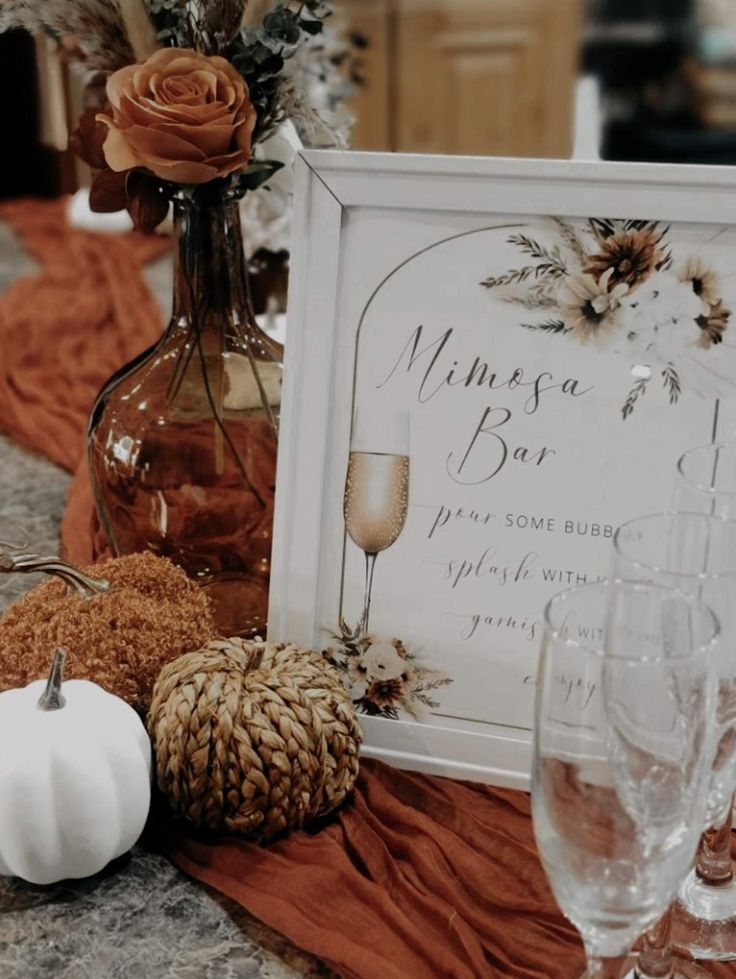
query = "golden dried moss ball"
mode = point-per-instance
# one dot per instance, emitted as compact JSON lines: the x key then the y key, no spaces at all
{"x":120,"y":640}
{"x":257,"y":738}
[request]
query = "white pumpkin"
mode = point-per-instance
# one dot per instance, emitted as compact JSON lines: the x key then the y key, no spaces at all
{"x":75,"y":778}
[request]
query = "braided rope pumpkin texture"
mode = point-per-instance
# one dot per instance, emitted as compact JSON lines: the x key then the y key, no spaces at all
{"x":253,"y":737}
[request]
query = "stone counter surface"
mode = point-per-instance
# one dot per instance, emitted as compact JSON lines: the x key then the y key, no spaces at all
{"x":141,"y":918}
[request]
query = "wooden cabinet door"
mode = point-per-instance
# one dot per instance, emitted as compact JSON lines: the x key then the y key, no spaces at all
{"x":489,"y":77}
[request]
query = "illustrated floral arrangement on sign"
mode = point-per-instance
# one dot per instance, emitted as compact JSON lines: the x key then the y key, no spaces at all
{"x":384,"y":679}
{"x":619,"y":285}
{"x":191,"y":89}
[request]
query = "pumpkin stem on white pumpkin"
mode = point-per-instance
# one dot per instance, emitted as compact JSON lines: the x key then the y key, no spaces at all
{"x":52,"y":697}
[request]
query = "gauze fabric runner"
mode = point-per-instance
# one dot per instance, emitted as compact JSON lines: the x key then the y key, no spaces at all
{"x":64,"y":331}
{"x":417,"y":877}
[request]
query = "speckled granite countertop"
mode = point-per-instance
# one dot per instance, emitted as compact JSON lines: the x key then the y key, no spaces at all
{"x":140,"y":919}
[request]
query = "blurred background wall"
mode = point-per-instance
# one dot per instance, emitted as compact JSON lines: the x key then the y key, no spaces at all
{"x":623,"y":79}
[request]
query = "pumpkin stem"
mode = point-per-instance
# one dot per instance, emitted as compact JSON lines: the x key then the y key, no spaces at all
{"x":52,"y":698}
{"x":86,"y":586}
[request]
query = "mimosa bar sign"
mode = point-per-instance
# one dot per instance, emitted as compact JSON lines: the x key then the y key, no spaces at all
{"x":506,"y":389}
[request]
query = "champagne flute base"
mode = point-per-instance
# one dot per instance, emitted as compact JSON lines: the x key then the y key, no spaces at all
{"x":705,"y":920}
{"x":627,"y":966}
{"x":683,"y":969}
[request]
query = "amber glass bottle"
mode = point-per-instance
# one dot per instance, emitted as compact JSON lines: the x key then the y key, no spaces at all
{"x":182,"y":441}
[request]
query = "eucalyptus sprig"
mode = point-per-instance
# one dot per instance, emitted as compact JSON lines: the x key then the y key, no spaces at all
{"x":260,"y":53}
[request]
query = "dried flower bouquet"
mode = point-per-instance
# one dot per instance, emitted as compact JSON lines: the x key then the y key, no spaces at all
{"x":192,"y":87}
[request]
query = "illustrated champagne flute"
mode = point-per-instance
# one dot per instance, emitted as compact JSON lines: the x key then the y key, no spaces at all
{"x":376,"y":496}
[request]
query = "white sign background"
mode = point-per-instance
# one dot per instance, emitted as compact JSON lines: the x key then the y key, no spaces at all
{"x":399,"y":321}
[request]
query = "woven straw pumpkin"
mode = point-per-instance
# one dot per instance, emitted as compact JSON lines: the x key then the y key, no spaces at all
{"x":253,"y":737}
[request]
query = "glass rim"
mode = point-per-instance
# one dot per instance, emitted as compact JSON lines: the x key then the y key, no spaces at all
{"x":563,"y":596}
{"x":658,"y":569}
{"x":702,"y":488}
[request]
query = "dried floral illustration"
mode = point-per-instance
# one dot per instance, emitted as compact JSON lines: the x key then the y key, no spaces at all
{"x":384,"y":678}
{"x":618,"y":285}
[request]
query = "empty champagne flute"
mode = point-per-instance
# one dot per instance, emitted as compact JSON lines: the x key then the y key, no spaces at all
{"x":623,"y":720}
{"x":695,"y":553}
{"x":706,"y":480}
{"x":376,"y":498}
{"x":706,"y":911}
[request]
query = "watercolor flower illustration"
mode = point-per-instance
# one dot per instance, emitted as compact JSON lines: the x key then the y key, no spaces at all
{"x":590,"y":305}
{"x":629,"y":256}
{"x":385,"y":679}
{"x":617,"y":285}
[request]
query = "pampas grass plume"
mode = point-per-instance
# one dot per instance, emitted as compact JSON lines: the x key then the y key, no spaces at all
{"x":97,"y":26}
{"x":139,"y":28}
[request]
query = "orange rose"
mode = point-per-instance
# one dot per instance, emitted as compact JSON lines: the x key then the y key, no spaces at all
{"x":186,"y":117}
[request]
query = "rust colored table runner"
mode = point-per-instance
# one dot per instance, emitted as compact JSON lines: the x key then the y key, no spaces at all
{"x":418,"y":877}
{"x":63,"y":331}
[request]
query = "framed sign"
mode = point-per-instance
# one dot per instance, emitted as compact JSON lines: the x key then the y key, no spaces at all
{"x":490,"y":365}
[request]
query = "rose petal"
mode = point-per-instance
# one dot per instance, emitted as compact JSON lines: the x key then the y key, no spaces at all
{"x":192,"y":89}
{"x":244,"y":132}
{"x":154,"y":144}
{"x":229,"y":94}
{"x":164,"y":56}
{"x":227,"y":69}
{"x":185,"y":172}
{"x":118,"y":152}
{"x":230,"y":162}
{"x":194,"y":115}
{"x":118,"y":83}
{"x":208,"y":79}
{"x":147,"y":113}
{"x":210,"y":140}
{"x":198,"y":173}
{"x":184,"y":63}
{"x":140,"y":82}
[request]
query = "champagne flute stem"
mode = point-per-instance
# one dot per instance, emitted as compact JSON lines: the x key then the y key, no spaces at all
{"x":605,"y":968}
{"x":370,"y":564}
{"x":713,"y":864}
{"x":656,"y":957}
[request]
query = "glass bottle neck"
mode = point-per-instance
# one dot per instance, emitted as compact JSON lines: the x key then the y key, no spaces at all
{"x":210,"y":285}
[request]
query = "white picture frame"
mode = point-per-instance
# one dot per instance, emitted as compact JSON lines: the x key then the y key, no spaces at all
{"x":336,"y":192}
